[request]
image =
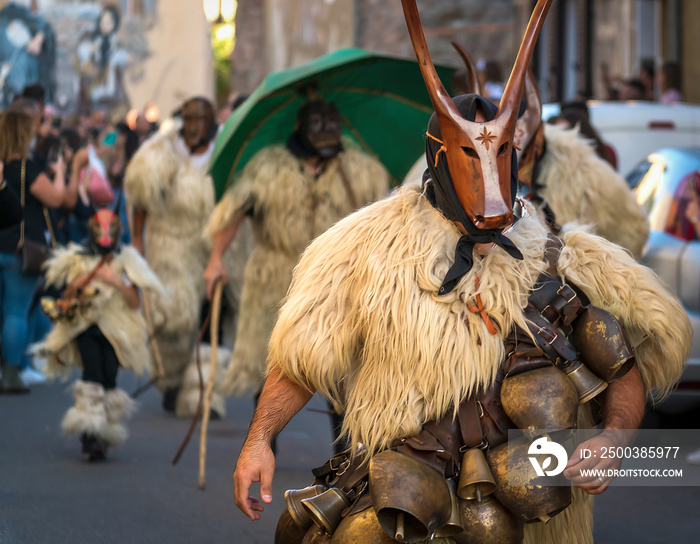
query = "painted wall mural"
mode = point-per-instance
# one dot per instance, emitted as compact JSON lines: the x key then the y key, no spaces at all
{"x":82,"y":52}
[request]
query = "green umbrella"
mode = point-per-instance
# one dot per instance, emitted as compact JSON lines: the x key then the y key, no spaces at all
{"x":383,"y":102}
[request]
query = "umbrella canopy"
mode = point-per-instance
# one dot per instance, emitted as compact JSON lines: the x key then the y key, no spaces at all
{"x":382,"y":100}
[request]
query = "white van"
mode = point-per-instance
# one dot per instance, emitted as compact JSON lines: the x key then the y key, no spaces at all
{"x":636,"y":129}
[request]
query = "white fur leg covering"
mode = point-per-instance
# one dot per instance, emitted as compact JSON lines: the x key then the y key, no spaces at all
{"x":188,"y":398}
{"x":572,"y":526}
{"x":89,"y":414}
{"x":119,"y":407}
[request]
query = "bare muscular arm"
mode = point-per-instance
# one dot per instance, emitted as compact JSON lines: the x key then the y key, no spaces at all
{"x":280,"y":400}
{"x":623,"y":409}
{"x":139,"y":223}
{"x":216,"y":269}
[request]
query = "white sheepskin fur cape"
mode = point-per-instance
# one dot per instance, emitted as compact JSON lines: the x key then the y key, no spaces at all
{"x":290,"y":208}
{"x":123,"y":326}
{"x":363,"y":323}
{"x":178,"y":197}
{"x":582,"y":187}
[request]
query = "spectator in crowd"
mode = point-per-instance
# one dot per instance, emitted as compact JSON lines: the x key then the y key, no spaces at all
{"x":632,"y":89}
{"x":17,"y":289}
{"x":684,"y":217}
{"x":9,"y":204}
{"x":670,"y":83}
{"x":646,"y":76}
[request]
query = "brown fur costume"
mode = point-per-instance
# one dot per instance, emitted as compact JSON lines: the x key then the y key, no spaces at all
{"x":290,"y":208}
{"x":363,"y":323}
{"x":179,"y":198}
{"x":582,"y":187}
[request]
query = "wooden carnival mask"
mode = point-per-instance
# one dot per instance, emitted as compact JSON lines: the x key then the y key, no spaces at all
{"x":478,"y":154}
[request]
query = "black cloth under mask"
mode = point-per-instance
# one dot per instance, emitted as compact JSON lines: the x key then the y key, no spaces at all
{"x":300,"y":146}
{"x":440,"y":192}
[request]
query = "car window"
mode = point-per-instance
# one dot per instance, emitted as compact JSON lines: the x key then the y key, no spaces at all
{"x":636,"y":175}
{"x":649,"y":184}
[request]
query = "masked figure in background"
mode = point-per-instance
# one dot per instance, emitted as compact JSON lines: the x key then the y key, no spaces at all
{"x":435,"y":318}
{"x":172,"y":196}
{"x":98,"y":327}
{"x":291,"y":194}
{"x":561,"y":173}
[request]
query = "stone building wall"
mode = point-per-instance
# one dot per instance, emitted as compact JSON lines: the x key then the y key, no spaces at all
{"x":485,"y":27}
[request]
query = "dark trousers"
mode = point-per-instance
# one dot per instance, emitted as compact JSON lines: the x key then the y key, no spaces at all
{"x":100,"y":363}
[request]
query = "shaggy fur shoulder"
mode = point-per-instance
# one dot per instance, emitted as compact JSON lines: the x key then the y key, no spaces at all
{"x":363,"y":323}
{"x":151,"y":170}
{"x":655,"y":322}
{"x":582,"y":187}
{"x":280,"y":192}
{"x":262,"y":168}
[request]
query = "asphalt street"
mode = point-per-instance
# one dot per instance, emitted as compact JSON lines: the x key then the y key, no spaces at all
{"x":50,"y":495}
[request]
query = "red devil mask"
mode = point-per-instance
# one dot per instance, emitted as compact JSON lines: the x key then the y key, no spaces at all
{"x":478,"y":154}
{"x":104,"y":229}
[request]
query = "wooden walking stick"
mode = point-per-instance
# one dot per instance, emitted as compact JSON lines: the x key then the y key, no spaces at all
{"x":151,"y":336}
{"x":206,"y":409}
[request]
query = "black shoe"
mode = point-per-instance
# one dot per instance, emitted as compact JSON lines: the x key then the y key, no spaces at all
{"x":214,"y":415}
{"x":170,"y":398}
{"x":11,"y":383}
{"x":93,"y":448}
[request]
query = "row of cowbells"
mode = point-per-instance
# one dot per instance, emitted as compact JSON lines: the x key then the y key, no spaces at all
{"x":412,"y":502}
{"x":548,"y":398}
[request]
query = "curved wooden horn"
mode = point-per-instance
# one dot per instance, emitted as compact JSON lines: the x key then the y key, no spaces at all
{"x":442,"y":102}
{"x":532,"y":94}
{"x":474,"y":85}
{"x":510,"y":103}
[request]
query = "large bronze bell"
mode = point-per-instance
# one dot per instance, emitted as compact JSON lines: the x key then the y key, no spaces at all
{"x":288,"y":532}
{"x":602,"y":345}
{"x":488,"y":522}
{"x":529,"y":496}
{"x":540,"y":399}
{"x":411,"y":499}
{"x":475,"y":478}
{"x":316,"y":535}
{"x":327,"y":508}
{"x":587,"y":384}
{"x":454,"y":524}
{"x":293,"y":498}
{"x":361,"y":528}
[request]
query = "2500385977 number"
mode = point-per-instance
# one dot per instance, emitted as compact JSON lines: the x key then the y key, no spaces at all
{"x":643,"y":452}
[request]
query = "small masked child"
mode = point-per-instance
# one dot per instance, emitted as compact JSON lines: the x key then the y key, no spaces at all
{"x":98,"y":326}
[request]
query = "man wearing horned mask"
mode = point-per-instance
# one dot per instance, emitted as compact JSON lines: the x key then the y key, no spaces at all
{"x":424,"y":315}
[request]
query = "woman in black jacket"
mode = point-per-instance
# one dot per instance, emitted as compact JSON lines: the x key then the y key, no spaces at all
{"x":10,"y":206}
{"x":24,"y":178}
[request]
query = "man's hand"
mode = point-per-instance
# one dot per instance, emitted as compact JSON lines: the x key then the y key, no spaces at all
{"x":593,"y":485}
{"x":215,"y":271}
{"x":256,"y":463}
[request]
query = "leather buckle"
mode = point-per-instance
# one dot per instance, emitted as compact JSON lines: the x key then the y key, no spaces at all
{"x":481,"y":409}
{"x":567,"y":289}
{"x":483,"y":445}
{"x":546,"y":334}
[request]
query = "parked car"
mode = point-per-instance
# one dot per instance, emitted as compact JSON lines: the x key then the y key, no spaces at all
{"x":662,"y":182}
{"x":636,"y":129}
